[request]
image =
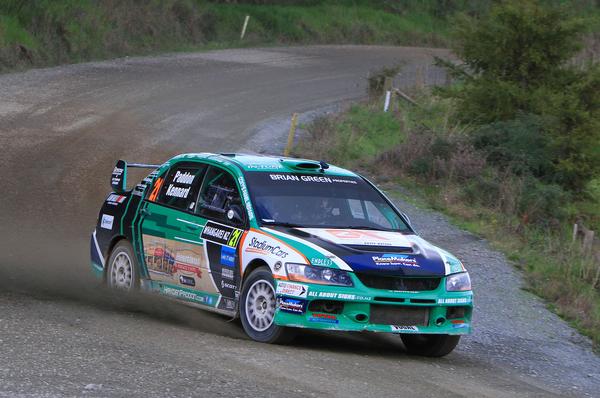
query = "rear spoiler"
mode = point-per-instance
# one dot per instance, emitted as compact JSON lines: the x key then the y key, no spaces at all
{"x":118,"y":179}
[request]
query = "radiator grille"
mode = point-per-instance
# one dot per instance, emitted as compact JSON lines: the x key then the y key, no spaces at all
{"x":399,"y":283}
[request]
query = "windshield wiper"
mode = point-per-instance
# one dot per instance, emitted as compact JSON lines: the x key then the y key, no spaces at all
{"x":367,"y":227}
{"x":283,"y":224}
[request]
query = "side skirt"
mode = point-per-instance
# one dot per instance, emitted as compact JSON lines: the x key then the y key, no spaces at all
{"x":203,"y":301}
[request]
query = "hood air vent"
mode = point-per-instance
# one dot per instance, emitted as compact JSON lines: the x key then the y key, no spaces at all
{"x":300,"y":164}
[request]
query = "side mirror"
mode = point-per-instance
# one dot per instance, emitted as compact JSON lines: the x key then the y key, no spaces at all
{"x":118,"y":179}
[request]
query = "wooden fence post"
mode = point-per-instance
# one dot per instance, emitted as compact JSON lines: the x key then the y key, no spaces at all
{"x":588,"y":241}
{"x":291,"y":135}
{"x":419,"y":78}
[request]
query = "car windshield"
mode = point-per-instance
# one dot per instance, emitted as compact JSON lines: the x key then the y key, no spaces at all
{"x":320,"y":201}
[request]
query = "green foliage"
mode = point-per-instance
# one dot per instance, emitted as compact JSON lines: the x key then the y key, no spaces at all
{"x":515,"y":63}
{"x":47,"y":32}
{"x":523,"y":42}
{"x":12,"y":32}
{"x":520,"y":146}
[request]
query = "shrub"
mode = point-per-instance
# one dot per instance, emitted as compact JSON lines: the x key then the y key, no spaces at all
{"x":542,"y":203}
{"x":429,"y":156}
{"x":514,"y":64}
{"x":520,"y":146}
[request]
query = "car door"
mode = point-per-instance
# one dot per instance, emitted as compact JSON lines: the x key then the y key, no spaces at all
{"x":173,"y":251}
{"x":220,"y":208}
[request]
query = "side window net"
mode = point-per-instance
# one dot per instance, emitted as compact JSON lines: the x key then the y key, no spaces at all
{"x":217,"y":198}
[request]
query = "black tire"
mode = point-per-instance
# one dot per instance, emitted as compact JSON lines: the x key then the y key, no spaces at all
{"x":430,"y":345}
{"x":119,"y":275}
{"x":273,"y":334}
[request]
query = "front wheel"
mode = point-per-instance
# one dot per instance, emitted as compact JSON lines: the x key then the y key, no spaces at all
{"x":257,"y":309}
{"x":122,"y":272}
{"x":430,"y":345}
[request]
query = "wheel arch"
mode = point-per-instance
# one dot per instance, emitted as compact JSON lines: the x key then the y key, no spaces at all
{"x":254,"y":264}
{"x":113,"y":242}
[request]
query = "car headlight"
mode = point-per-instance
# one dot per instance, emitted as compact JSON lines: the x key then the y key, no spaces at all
{"x":458,"y":282}
{"x":320,"y":275}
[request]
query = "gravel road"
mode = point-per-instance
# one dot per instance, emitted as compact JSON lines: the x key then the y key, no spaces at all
{"x":62,"y":129}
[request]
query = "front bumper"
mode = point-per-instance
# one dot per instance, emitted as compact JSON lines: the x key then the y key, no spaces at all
{"x":360,"y":308}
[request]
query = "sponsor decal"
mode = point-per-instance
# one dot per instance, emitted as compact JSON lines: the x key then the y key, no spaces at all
{"x":259,"y":166}
{"x":395,"y":259}
{"x":117,"y":175}
{"x":246,"y":197}
{"x":458,"y":300}
{"x":178,"y":192}
{"x":235,"y":237}
{"x":359,"y":237}
{"x":221,"y":234}
{"x":229,"y":304}
{"x":323,"y":318}
{"x":263,"y":247}
{"x":186,"y":280}
{"x":320,"y":261}
{"x":396,"y":328}
{"x":175,"y":262}
{"x":339,"y":296}
{"x":310,"y":179}
{"x":139,"y":190}
{"x":355,"y":234}
{"x":184,"y":178}
{"x":227,"y":273}
{"x":188,"y":262}
{"x":292,"y":289}
{"x":226,"y":285}
{"x":185,"y":295}
{"x":227,"y":256}
{"x":290,"y":305}
{"x":115,"y":200}
{"x":277,"y":265}
{"x":107,"y":221}
{"x":156,"y":189}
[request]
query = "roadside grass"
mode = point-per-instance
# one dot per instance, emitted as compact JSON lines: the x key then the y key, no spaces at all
{"x":51,"y":32}
{"x":355,"y":136}
{"x":329,"y":23}
{"x":377,"y":144}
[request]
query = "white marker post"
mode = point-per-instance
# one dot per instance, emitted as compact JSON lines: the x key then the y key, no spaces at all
{"x":244,"y":27}
{"x":386,"y":105}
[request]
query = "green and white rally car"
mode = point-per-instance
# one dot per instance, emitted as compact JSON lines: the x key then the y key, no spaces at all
{"x":284,"y":244}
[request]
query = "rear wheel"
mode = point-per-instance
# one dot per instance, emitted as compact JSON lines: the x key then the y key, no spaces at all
{"x":122,"y":272}
{"x":430,"y":345}
{"x":257,"y":309}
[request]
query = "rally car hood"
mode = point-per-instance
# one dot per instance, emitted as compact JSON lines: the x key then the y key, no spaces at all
{"x":380,"y":252}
